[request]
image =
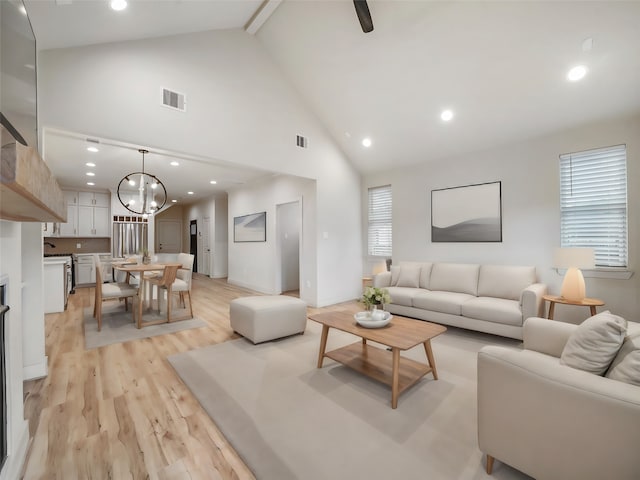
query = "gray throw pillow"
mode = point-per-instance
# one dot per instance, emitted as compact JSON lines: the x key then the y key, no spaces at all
{"x":626,"y":366}
{"x":595,"y":343}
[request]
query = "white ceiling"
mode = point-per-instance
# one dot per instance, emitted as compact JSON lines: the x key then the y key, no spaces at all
{"x":500,"y":66}
{"x":71,"y":23}
{"x":67,"y":155}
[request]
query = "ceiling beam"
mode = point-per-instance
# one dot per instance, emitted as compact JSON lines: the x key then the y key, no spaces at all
{"x":261,"y":15}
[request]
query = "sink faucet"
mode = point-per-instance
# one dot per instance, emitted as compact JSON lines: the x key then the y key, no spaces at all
{"x":50,"y":244}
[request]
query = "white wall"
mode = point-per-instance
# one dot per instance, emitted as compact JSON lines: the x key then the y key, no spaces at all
{"x":18,"y":327}
{"x":529,"y":174}
{"x":240,"y":108}
{"x":220,"y":242}
{"x":254,"y":265}
{"x":33,"y":345}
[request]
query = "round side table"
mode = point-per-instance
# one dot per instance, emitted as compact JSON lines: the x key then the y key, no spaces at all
{"x":592,"y":303}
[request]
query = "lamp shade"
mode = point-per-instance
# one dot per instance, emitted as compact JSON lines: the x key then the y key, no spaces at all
{"x":578,"y":257}
{"x":379,"y":268}
{"x":573,"y":259}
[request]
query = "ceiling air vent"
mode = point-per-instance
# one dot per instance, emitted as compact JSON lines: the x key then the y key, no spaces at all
{"x":174,"y":100}
{"x":301,"y":141}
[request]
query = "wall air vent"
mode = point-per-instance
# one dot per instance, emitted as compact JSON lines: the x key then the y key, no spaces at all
{"x":301,"y":141}
{"x":175,"y":100}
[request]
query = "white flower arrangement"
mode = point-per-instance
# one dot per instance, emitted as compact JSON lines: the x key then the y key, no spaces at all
{"x":375,"y":296}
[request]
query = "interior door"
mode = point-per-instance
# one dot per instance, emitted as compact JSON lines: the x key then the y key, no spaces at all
{"x":168,"y":236}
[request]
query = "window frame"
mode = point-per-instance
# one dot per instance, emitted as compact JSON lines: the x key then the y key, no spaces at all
{"x":594,"y":210}
{"x":381,"y":220}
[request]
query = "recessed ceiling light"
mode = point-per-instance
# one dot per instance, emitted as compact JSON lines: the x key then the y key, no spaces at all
{"x":90,"y":183}
{"x":92,"y":149}
{"x":174,"y":201}
{"x":91,"y":174}
{"x":90,"y":164}
{"x":118,"y":5}
{"x":577,"y":73}
{"x":190,"y":193}
{"x":366,"y":142}
{"x":174,"y":164}
{"x":213,"y":182}
{"x":446,"y":115}
{"x":22,"y":9}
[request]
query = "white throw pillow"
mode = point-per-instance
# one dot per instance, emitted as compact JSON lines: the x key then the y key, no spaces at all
{"x":395,"y":273}
{"x":626,"y":366}
{"x":409,"y":276}
{"x":595,"y":343}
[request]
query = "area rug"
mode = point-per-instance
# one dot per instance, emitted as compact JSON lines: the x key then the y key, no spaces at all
{"x":289,"y":420}
{"x":118,"y":326}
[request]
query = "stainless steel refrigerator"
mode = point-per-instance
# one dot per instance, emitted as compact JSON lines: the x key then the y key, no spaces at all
{"x":129,"y":239}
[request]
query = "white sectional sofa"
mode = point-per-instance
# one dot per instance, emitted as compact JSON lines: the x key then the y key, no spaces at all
{"x":494,"y":299}
{"x":555,"y":422}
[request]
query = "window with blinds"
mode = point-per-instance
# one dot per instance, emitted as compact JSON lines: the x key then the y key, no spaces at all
{"x":593,"y":203}
{"x":379,"y":236}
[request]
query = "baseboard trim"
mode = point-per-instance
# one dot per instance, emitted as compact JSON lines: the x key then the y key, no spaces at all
{"x":39,"y":370}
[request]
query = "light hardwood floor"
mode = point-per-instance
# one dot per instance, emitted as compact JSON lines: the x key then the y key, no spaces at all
{"x":120,"y":411}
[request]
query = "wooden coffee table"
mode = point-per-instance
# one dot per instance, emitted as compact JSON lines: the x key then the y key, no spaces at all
{"x":380,"y":364}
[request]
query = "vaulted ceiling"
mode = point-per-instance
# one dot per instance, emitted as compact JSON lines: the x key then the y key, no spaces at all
{"x":499,"y":66}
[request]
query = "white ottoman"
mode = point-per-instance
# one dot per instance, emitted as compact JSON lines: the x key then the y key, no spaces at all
{"x":268,"y":317}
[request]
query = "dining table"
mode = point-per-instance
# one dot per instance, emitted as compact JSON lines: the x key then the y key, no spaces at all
{"x":132,"y":268}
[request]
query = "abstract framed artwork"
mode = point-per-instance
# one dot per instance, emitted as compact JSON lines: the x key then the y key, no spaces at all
{"x":470,"y":213}
{"x":250,"y":228}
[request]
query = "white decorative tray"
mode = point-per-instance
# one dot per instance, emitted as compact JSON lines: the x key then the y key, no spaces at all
{"x":364,"y":319}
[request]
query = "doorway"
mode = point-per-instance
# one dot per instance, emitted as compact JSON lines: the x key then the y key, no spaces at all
{"x":288,"y":225}
{"x":193,"y":243}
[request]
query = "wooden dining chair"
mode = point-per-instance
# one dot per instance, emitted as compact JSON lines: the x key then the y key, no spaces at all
{"x":165,"y":282}
{"x":110,"y":291}
{"x":182,"y":284}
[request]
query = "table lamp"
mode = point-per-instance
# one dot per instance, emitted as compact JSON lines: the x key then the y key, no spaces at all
{"x":573,"y":259}
{"x":379,"y":267}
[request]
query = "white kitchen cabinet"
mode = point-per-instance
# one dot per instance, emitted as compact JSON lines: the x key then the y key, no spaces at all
{"x":93,"y":222}
{"x":71,"y":197}
{"x":87,"y":215}
{"x":85,"y":273}
{"x":70,"y":228}
{"x":94,"y":199}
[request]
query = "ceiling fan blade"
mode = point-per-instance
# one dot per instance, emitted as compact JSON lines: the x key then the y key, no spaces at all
{"x":362,"y":10}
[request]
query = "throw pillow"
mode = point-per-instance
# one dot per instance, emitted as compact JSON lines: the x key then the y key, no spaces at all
{"x":409,"y":276}
{"x":395,"y":273}
{"x":594,"y":344}
{"x":626,"y":366}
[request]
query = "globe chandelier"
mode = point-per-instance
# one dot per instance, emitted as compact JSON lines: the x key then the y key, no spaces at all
{"x":142,"y":193}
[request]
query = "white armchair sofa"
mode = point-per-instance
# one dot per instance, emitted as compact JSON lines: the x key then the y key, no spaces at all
{"x":494,"y":299}
{"x":552,"y":421}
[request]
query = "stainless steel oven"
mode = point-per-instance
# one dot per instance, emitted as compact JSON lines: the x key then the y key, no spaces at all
{"x":68,"y":280}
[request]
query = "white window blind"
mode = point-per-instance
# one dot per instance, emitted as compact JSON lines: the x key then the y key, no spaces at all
{"x":593,"y":203}
{"x":379,"y":236}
